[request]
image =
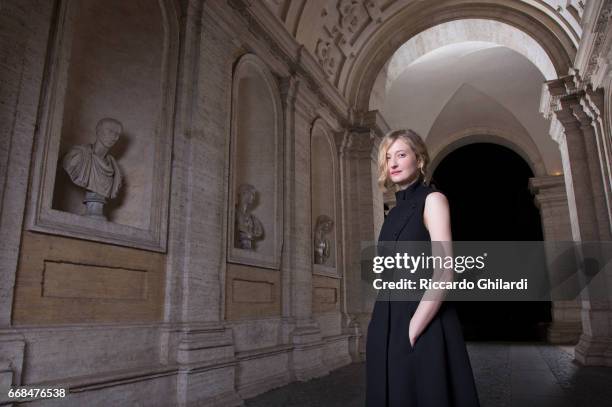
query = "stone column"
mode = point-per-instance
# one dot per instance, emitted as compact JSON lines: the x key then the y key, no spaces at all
{"x":362,"y":216}
{"x":593,"y":105}
{"x":590,"y":136}
{"x":195,"y":337}
{"x":301,"y":330}
{"x":572,"y":130}
{"x":551,"y":200}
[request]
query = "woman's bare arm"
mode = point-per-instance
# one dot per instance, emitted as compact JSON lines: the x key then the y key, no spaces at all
{"x":437,"y":220}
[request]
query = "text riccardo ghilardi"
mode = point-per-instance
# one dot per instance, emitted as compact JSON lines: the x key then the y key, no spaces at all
{"x":404,"y":261}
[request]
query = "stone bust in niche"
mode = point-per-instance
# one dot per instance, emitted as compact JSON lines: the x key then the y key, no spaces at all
{"x":248,"y":227}
{"x":91,"y":166}
{"x":322,"y":245}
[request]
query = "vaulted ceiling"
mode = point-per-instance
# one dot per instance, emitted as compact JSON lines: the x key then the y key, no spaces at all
{"x":353,"y":39}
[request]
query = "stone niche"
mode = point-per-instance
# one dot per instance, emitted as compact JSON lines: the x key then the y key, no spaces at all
{"x":324,"y":196}
{"x":256,"y":182}
{"x":109,"y":59}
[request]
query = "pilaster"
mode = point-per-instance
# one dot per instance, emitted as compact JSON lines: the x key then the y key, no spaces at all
{"x":569,"y":108}
{"x":363,"y":214}
{"x":551,"y":200}
{"x":195,"y":339}
{"x":303,"y":332}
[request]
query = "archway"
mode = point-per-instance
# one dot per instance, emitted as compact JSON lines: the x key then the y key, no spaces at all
{"x":555,"y":38}
{"x":486,"y":185}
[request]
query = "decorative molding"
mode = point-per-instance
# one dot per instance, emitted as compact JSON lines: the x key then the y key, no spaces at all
{"x":549,"y":103}
{"x":374,"y":121}
{"x":600,"y":33}
{"x":330,"y":57}
{"x":548,"y":190}
{"x":343,"y":23}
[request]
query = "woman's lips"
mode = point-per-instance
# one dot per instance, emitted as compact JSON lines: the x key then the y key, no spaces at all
{"x":395,"y":172}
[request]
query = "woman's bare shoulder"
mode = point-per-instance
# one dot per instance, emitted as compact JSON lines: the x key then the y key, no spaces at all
{"x":436,"y":198}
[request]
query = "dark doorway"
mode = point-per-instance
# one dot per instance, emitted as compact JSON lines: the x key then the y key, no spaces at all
{"x":487,"y":187}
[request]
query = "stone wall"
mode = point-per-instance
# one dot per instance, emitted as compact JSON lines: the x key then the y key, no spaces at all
{"x":149,"y":304}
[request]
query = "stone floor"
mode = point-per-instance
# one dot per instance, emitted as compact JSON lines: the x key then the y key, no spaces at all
{"x":507,"y":375}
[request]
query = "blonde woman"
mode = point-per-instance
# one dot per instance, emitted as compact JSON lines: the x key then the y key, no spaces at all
{"x":415,"y":352}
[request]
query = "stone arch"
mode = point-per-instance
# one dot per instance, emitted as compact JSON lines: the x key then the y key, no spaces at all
{"x":533,"y":21}
{"x":479,"y":34}
{"x":520,"y":145}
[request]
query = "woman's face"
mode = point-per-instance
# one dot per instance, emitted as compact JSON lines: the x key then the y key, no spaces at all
{"x":402,"y":163}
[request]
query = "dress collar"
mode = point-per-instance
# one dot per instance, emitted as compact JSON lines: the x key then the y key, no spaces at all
{"x":407,"y":193}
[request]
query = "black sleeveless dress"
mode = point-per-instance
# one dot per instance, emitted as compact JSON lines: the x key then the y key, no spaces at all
{"x":436,"y":372}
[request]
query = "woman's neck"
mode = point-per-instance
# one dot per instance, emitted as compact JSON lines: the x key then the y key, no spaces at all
{"x":402,"y":187}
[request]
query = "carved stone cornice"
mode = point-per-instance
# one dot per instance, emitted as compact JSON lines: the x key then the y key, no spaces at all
{"x":594,"y":99}
{"x":549,"y":102}
{"x":573,"y":103}
{"x":570,"y":112}
{"x":552,"y":93}
{"x":557,"y":132}
{"x":569,"y":103}
{"x":372,"y":120}
{"x":548,"y":190}
{"x":357,"y":143}
{"x":580,"y":114}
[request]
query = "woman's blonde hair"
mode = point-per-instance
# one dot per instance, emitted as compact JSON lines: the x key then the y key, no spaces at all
{"x":417,"y":145}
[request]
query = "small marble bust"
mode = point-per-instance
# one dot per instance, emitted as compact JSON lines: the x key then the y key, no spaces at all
{"x":249,"y":228}
{"x":91,"y":166}
{"x":322,"y":245}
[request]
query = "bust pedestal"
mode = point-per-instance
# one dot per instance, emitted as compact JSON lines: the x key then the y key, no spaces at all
{"x":95,"y":205}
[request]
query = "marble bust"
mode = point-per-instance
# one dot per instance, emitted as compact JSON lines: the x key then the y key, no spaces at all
{"x":248,"y":227}
{"x":91,"y":166}
{"x":322,"y":245}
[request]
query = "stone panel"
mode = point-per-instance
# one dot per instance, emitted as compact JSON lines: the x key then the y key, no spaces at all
{"x":80,"y":280}
{"x":325,"y":294}
{"x":251,"y":292}
{"x":62,"y":280}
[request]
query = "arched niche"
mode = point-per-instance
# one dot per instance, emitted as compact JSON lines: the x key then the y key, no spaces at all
{"x":256,"y":181}
{"x":110,"y":59}
{"x":324,"y":198}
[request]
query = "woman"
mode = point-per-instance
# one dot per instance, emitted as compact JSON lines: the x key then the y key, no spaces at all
{"x":415,"y":352}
